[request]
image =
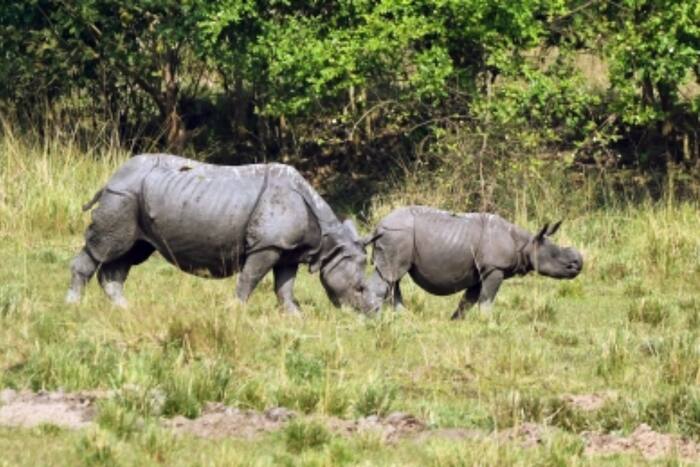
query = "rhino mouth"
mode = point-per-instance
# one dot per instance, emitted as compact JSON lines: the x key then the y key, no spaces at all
{"x":572,"y":269}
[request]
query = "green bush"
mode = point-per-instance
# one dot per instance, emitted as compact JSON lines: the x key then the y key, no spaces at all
{"x":300,"y":436}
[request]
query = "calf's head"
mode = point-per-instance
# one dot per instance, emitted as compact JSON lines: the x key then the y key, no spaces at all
{"x":342,"y":264}
{"x":552,"y":260}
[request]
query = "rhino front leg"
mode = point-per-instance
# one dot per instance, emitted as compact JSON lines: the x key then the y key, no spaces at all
{"x":256,"y":266}
{"x":397,"y":299}
{"x":284,"y":287}
{"x":489,"y":288}
{"x":82,"y":267}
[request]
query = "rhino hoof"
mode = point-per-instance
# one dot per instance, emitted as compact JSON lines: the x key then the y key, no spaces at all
{"x":292,"y":311}
{"x":456,"y":316}
{"x":72,"y":297}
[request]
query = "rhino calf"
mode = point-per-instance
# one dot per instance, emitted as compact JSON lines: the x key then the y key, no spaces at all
{"x":446,"y":253}
{"x":214,"y":221}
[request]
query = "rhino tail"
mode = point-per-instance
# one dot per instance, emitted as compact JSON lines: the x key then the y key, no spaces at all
{"x":87,"y":206}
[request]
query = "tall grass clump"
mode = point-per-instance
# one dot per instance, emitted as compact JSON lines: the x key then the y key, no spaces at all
{"x":648,"y":311}
{"x":300,"y":436}
{"x":47,"y":178}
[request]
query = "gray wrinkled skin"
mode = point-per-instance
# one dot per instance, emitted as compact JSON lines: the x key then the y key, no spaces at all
{"x":214,"y":221}
{"x":446,"y":253}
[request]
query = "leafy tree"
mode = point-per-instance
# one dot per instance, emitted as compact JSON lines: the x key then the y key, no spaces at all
{"x":371,"y":77}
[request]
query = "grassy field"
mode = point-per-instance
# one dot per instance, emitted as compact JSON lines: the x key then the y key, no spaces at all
{"x":627,"y":331}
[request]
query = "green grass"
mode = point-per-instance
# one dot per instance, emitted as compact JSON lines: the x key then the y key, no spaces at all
{"x":628,"y":325}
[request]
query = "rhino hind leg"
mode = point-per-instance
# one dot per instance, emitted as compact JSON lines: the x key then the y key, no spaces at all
{"x":254,"y":269}
{"x":82,"y":267}
{"x":284,"y":287}
{"x":482,"y":293}
{"x":113,"y":274}
{"x":111,"y":277}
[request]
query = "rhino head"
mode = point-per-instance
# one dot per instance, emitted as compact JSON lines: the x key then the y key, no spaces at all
{"x":552,"y":260}
{"x":342,"y":264}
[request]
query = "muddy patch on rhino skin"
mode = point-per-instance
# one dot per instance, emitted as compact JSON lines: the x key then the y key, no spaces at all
{"x":26,"y":409}
{"x":645,"y":441}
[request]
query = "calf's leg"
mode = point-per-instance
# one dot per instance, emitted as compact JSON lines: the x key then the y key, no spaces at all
{"x":470,"y":297}
{"x":489,"y":288}
{"x":483,"y":293}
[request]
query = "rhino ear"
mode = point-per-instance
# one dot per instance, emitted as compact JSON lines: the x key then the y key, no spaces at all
{"x":553,"y":229}
{"x":350,"y":225}
{"x":542,"y":233}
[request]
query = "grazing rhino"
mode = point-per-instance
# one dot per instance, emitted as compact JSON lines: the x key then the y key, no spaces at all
{"x":445,"y":253}
{"x":213,"y":221}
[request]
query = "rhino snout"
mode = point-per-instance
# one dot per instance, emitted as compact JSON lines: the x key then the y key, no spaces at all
{"x":575,"y":265}
{"x":374,"y":306}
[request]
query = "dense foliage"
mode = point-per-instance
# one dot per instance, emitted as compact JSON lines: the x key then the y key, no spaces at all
{"x":358,"y":81}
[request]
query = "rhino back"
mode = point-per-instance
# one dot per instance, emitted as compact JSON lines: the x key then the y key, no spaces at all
{"x":197,"y":218}
{"x":445,"y":249}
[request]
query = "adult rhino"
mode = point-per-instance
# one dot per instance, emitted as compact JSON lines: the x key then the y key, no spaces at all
{"x":213,"y":221}
{"x":445,"y":253}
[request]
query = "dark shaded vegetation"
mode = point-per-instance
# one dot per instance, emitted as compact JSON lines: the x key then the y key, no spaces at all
{"x":358,"y":93}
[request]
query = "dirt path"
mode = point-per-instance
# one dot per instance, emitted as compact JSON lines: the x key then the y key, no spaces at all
{"x":26,"y":409}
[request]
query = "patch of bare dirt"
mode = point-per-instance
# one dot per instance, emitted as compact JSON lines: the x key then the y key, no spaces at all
{"x":587,"y":402}
{"x":643,"y":440}
{"x":26,"y":409}
{"x":450,"y":434}
{"x":219,"y":421}
{"x":527,"y":434}
{"x":395,"y":426}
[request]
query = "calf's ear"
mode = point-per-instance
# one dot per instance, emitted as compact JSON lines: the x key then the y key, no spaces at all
{"x":553,"y":229}
{"x":542,"y":233}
